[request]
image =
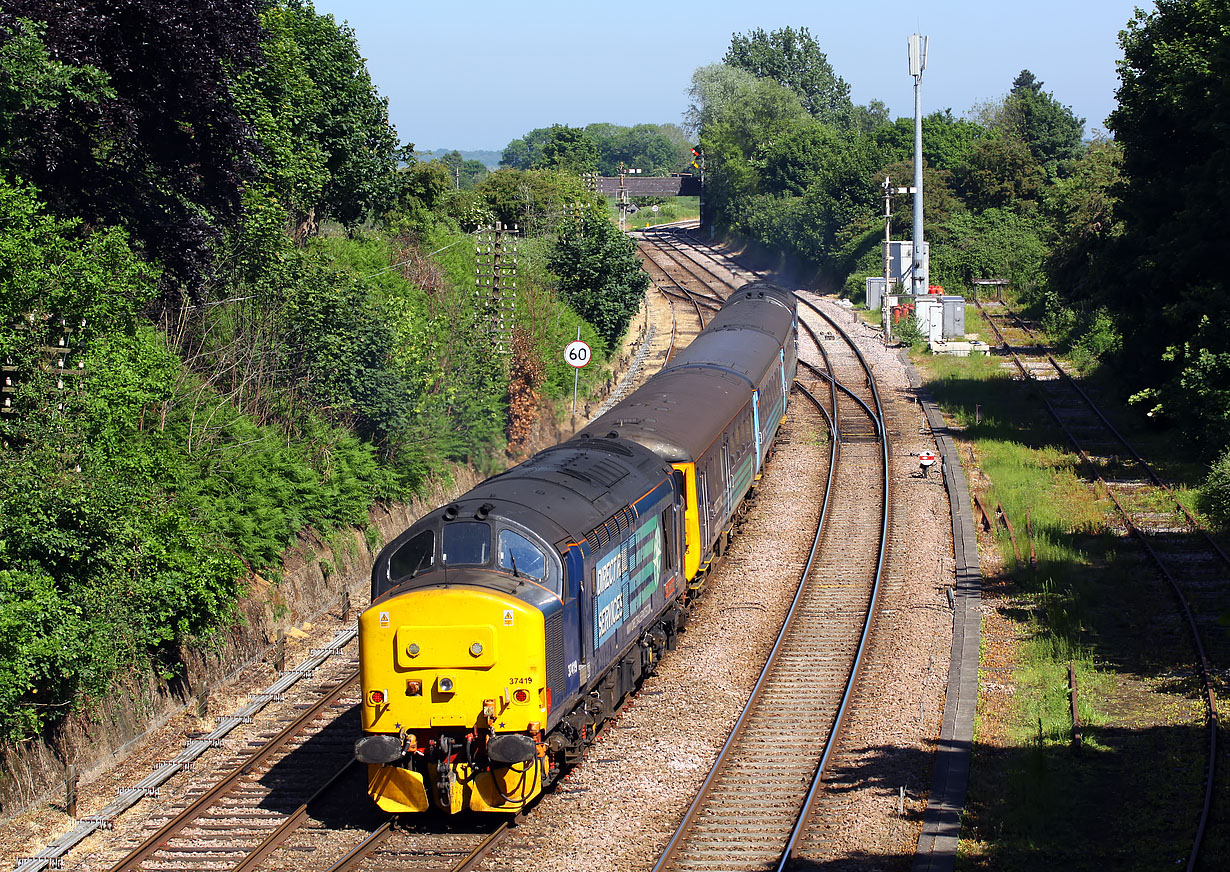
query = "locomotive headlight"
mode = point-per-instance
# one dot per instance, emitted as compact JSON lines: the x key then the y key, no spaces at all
{"x":412,"y":650}
{"x":446,"y":684}
{"x":476,"y":649}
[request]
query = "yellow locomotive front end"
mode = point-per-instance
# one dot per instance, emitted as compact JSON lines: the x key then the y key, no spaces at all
{"x":455,"y":696}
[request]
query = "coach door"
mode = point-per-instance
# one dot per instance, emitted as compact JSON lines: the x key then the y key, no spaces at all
{"x":706,"y":510}
{"x":728,"y":478}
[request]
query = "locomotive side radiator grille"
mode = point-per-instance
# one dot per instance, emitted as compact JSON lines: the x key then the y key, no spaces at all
{"x":555,"y":655}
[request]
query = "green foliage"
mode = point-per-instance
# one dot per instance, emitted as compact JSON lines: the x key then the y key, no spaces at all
{"x":870,"y":118}
{"x":1050,"y":130}
{"x":31,"y":79}
{"x":1215,"y":494}
{"x":525,"y":153}
{"x":793,"y":59}
{"x":568,"y":149}
{"x":999,"y":174}
{"x":160,"y":148}
{"x":1095,"y":341}
{"x":735,"y":114}
{"x":908,"y":332}
{"x":329,"y":148}
{"x":947,"y":141}
{"x":995,"y":243}
{"x":464,"y":173}
{"x":532,"y":200}
{"x":656,"y":149}
{"x":1162,"y":275}
{"x":1081,"y":209}
{"x":600,"y":276}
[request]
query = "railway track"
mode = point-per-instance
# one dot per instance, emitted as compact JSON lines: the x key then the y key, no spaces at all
{"x":699,"y":280}
{"x":449,"y":847}
{"x":672,"y":283}
{"x":1192,"y":564}
{"x":755,"y":804}
{"x":247,"y":815}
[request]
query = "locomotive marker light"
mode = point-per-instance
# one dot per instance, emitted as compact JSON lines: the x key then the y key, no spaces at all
{"x":577,"y":355}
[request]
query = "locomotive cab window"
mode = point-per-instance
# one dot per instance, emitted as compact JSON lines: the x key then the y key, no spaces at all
{"x":467,"y":543}
{"x":414,"y":557}
{"x":520,"y":556}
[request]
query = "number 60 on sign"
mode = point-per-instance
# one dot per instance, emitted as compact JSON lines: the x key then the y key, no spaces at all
{"x":577,"y":354}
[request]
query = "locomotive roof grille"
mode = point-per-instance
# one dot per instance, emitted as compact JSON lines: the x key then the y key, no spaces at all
{"x":611,"y":530}
{"x":604,"y":472}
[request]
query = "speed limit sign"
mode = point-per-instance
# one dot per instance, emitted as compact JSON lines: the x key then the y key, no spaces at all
{"x":577,"y":354}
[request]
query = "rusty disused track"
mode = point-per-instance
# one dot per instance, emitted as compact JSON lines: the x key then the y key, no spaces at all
{"x":672,"y":280}
{"x":707,"y":286}
{"x":755,"y":803}
{"x":1193,"y":565}
{"x":245,"y":816}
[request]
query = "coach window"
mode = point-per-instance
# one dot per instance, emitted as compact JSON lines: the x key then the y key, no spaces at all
{"x":520,"y":556}
{"x":467,"y":543}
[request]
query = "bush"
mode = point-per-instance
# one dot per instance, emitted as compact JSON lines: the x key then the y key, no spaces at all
{"x":1215,"y":494}
{"x":909,"y":333}
{"x":600,"y":277}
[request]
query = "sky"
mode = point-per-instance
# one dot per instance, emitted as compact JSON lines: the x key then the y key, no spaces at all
{"x":475,"y":75}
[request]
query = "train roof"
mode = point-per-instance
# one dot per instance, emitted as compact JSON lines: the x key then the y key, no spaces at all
{"x":736,"y":348}
{"x":677,"y":413}
{"x":761,"y":314}
{"x":562,"y":492}
{"x":763,"y":290}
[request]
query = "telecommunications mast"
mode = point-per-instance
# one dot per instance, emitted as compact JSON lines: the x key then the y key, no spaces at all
{"x":918,"y":63}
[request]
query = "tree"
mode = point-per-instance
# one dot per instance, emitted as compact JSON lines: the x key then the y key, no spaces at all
{"x":871,"y":117}
{"x":999,"y":173}
{"x":568,"y":149}
{"x":735,"y":113}
{"x":323,"y":108}
{"x":1050,"y":130}
{"x":1081,"y":209}
{"x":656,"y":149}
{"x":162,"y":150}
{"x":1174,"y":95}
{"x":532,"y":200}
{"x":600,"y":276}
{"x":947,"y":140}
{"x":526,"y":152}
{"x":793,"y":59}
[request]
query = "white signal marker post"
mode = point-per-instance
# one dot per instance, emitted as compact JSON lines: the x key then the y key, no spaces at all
{"x":577,"y":355}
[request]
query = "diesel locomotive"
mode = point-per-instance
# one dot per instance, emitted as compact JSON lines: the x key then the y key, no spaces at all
{"x":506,"y":626}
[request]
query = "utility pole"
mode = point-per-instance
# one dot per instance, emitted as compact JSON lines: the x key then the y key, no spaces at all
{"x":918,"y":63}
{"x":886,"y":309}
{"x":495,"y":283}
{"x":889,"y":298}
{"x":623,"y":203}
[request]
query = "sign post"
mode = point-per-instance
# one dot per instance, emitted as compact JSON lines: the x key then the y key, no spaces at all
{"x":576,"y":355}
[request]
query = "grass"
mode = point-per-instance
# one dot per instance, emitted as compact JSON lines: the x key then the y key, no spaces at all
{"x":673,"y":209}
{"x":1036,"y":800}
